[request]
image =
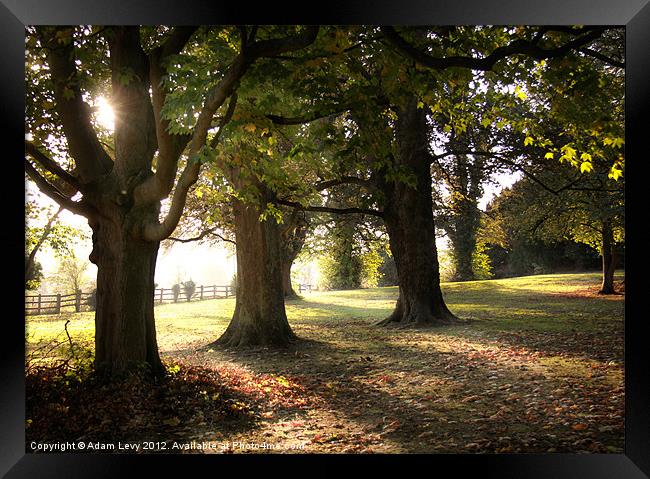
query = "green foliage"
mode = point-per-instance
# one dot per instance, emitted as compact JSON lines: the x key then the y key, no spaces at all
{"x":59,"y":237}
{"x":189,"y":287}
{"x":34,"y":279}
{"x":446,"y":265}
{"x":233,"y":283}
{"x":481,"y":265}
{"x":387,"y":269}
{"x":370,"y":263}
{"x":176,"y":291}
{"x":351,"y":255}
{"x":341,"y":271}
{"x":71,"y":275}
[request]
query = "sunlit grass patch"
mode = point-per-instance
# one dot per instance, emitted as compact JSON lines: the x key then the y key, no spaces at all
{"x":535,"y":366}
{"x":512,"y":304}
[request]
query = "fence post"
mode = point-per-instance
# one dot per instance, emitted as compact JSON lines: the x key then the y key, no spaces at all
{"x":201,"y":294}
{"x":77,"y":301}
{"x":58,"y":303}
{"x":38,"y":311}
{"x":214,"y":291}
{"x":227,"y":287}
{"x":161,"y":295}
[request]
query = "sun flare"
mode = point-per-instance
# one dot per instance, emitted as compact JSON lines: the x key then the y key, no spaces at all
{"x":105,"y":115}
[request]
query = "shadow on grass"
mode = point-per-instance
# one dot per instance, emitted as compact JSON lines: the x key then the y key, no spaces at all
{"x":419,"y":400}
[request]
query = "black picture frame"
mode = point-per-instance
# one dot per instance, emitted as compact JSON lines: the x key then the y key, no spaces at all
{"x":634,"y":14}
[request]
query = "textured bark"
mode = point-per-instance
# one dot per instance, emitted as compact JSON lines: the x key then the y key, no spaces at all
{"x":409,"y":220}
{"x":259,"y":318}
{"x":287,"y":287}
{"x":610,"y":259}
{"x":293,"y":235}
{"x":465,"y":177}
{"x":120,"y":193}
{"x":463,"y":240}
{"x":125,"y":333}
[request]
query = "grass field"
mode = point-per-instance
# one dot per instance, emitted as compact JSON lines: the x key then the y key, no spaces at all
{"x":538,"y":369}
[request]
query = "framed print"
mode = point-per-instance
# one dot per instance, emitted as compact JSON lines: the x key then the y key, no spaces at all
{"x":463,"y":401}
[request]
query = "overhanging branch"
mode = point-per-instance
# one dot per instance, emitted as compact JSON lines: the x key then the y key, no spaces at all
{"x":199,"y":237}
{"x":326,"y":209}
{"x":214,"y":99}
{"x":487,"y":63}
{"x":91,"y":159}
{"x":53,"y":192}
{"x":309,"y":117}
{"x":170,"y":146}
{"x":51,"y":165}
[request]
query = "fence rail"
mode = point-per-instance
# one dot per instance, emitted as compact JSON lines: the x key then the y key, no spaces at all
{"x":80,"y":301}
{"x":54,"y":303}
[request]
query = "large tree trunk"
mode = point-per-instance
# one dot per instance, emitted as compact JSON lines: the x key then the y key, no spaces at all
{"x":467,"y":189}
{"x":259,"y":318}
{"x":293,"y":235}
{"x":287,"y":287}
{"x":125,"y":333}
{"x":610,"y":258}
{"x":464,"y":243}
{"x":409,"y":220}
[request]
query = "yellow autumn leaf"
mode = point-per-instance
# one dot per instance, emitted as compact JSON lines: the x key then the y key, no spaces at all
{"x":520,"y":93}
{"x":615,"y":174}
{"x":586,"y":167}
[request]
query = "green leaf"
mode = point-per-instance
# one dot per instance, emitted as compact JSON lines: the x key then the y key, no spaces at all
{"x":528,"y":141}
{"x":548,"y":156}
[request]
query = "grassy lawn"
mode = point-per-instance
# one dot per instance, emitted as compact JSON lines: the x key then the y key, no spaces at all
{"x":539,"y":368}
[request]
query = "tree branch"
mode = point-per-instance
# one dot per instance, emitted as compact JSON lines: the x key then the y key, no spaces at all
{"x":53,"y":192}
{"x":51,"y":165}
{"x":224,"y":121}
{"x":170,"y":146}
{"x":202,"y":235}
{"x":31,"y":259}
{"x":326,"y":209}
{"x":344,"y":180}
{"x":215,"y":98}
{"x":487,"y":63}
{"x":308,"y":118}
{"x":91,"y":159}
{"x":601,"y":57}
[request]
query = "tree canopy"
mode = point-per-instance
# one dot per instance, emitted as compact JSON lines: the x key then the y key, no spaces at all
{"x":236,"y":132}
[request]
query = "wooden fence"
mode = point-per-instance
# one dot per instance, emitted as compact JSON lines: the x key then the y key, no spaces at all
{"x":56,"y":303}
{"x":167,"y":295}
{"x":304,"y":287}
